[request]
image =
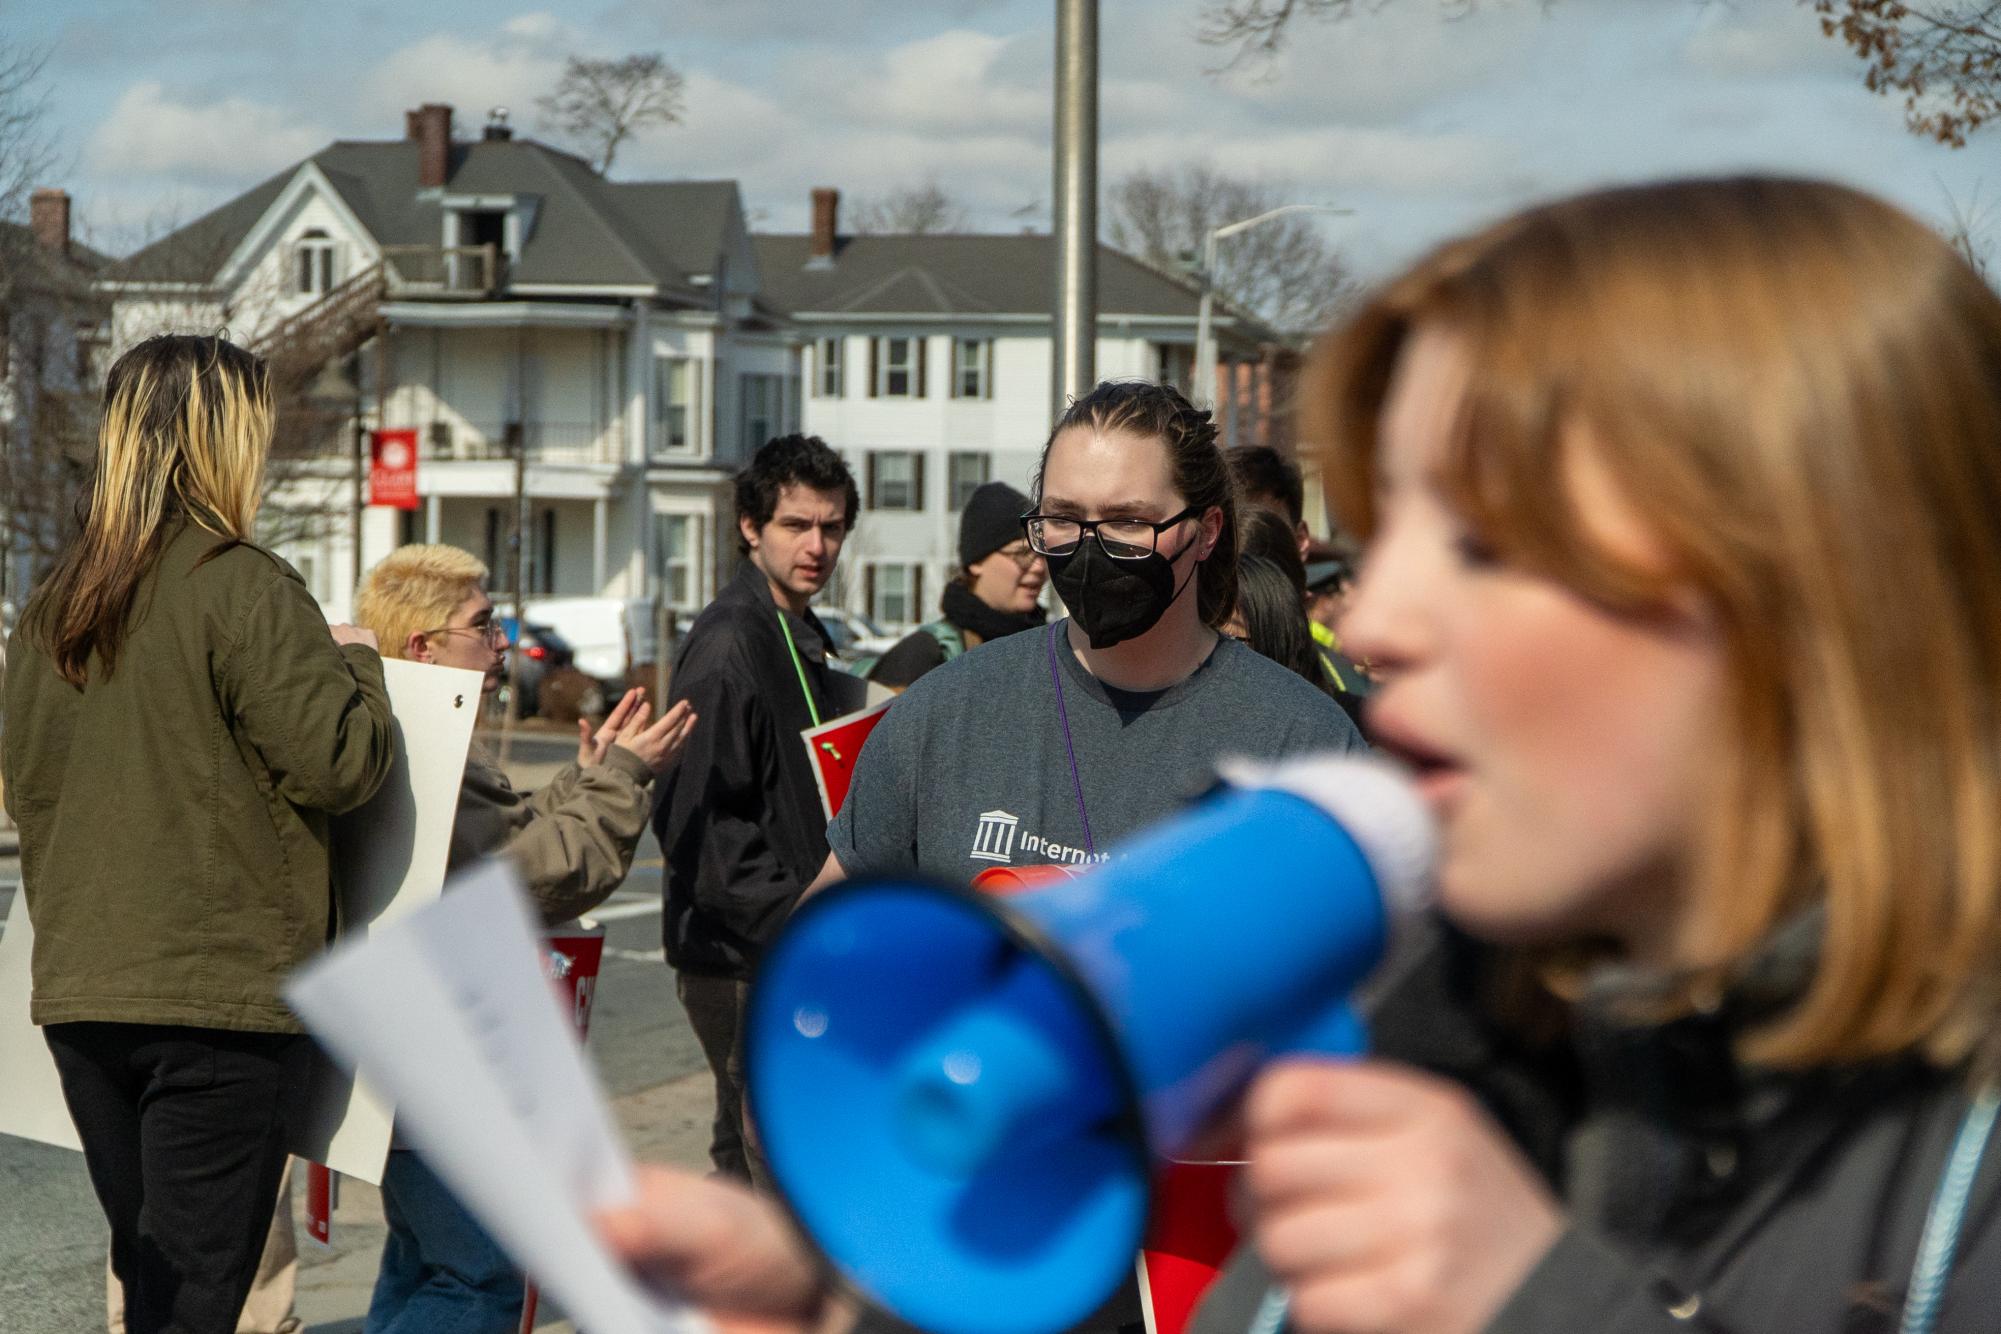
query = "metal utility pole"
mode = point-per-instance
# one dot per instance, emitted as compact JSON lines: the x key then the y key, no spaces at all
{"x":1074,"y":363}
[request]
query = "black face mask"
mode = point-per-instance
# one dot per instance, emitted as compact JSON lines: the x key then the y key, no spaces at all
{"x":1115,"y":600}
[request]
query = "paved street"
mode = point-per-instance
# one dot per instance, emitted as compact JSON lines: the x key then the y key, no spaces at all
{"x":52,"y":1237}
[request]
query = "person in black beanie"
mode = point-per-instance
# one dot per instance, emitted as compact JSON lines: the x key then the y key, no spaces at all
{"x":995,"y":593}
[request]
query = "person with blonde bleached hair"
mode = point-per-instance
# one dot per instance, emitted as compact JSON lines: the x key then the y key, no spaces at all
{"x":572,"y":843}
{"x":1683,"y":576}
{"x":181,"y":729}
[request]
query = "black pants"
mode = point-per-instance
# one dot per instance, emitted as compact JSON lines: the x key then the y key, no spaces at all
{"x":715,"y":1007}
{"x":184,"y":1137}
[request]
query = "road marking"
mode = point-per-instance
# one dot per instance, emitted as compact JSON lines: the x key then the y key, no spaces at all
{"x":654,"y":955}
{"x":618,"y":912}
{"x":648,"y":864}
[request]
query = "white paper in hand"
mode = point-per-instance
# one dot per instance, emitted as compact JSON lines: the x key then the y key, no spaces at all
{"x":448,"y":1014}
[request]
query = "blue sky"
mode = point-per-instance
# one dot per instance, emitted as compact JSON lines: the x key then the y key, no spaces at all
{"x":1421,"y":123}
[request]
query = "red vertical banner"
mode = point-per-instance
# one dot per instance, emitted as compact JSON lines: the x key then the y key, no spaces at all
{"x":392,"y":473}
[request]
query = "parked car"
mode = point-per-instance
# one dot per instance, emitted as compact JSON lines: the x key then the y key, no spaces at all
{"x":855,"y":635}
{"x":608,"y":635}
{"x":539,"y":650}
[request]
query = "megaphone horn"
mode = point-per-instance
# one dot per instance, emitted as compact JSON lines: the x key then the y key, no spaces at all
{"x":958,"y":1094}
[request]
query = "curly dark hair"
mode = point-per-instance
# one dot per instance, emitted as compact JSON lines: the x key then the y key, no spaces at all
{"x":790,"y":460}
{"x":1194,"y":463}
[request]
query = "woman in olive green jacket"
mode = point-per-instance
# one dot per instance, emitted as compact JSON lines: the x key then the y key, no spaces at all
{"x":181,"y":730}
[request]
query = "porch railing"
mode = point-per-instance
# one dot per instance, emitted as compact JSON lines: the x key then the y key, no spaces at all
{"x":546,"y":442}
{"x":444,"y":271}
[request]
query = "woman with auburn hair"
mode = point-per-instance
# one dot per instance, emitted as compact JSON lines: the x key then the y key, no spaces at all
{"x":181,"y":729}
{"x":1683,"y":575}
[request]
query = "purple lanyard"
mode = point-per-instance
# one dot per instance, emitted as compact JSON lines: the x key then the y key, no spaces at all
{"x":1069,"y":744}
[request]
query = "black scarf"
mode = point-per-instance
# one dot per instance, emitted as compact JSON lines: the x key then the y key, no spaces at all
{"x":967,"y":612}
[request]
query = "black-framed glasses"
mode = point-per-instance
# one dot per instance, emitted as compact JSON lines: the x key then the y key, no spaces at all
{"x":1121,"y":539}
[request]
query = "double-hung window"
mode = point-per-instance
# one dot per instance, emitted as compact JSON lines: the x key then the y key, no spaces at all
{"x":829,"y":367}
{"x":966,"y":473}
{"x":313,"y":274}
{"x":895,"y":593}
{"x":895,"y":480}
{"x":676,"y":383}
{"x":677,"y":545}
{"x":897,"y":369}
{"x":972,"y":368}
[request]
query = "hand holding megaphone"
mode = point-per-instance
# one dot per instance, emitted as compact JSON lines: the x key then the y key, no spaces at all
{"x":1386,"y":1199}
{"x":962,"y":1097}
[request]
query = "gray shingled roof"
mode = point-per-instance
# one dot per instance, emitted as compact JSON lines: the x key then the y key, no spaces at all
{"x":25,"y":262}
{"x":955,"y":275}
{"x":588,"y":231}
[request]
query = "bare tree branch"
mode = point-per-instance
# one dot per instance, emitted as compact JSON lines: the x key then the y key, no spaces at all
{"x":603,"y":103}
{"x":1257,"y":29}
{"x":1970,"y":232}
{"x":1285,"y":272}
{"x":911,"y":210}
{"x":1943,"y":57}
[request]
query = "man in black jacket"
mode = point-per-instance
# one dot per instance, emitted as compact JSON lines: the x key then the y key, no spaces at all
{"x":740,"y":823}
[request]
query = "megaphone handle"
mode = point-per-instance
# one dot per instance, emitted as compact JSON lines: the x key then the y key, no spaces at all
{"x":1336,"y":1031}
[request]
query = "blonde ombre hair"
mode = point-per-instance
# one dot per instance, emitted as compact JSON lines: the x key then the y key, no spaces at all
{"x":413,"y":591}
{"x":1798,"y":389}
{"x":187,"y":426}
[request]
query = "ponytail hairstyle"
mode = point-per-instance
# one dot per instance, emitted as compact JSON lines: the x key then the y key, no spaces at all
{"x":187,"y":425}
{"x":1196,"y":466}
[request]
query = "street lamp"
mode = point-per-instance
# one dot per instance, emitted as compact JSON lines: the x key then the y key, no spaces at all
{"x":1205,"y":333}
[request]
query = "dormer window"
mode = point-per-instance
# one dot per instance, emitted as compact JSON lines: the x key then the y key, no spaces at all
{"x":314,"y":263}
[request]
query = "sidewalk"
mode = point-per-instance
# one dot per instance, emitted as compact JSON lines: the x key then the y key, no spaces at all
{"x":666,"y":1124}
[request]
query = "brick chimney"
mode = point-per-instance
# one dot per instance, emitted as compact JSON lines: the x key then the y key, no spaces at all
{"x":430,"y":125}
{"x":48,"y":218}
{"x":826,"y":224}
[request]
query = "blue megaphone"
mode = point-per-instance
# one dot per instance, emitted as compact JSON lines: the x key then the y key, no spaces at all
{"x":961,"y":1095}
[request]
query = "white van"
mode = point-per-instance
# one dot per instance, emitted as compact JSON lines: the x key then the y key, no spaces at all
{"x":610,"y":635}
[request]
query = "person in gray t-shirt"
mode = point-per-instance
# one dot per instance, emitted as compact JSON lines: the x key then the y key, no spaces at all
{"x":971,"y":769}
{"x":1056,"y":746}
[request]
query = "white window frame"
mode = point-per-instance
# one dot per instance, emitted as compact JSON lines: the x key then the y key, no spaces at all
{"x":313,"y":263}
{"x":830,"y":367}
{"x":972,"y":368}
{"x":664,"y":364}
{"x":958,"y":490}
{"x":669,"y":566}
{"x":910,"y":365}
{"x":910,"y":592}
{"x":913,"y":480}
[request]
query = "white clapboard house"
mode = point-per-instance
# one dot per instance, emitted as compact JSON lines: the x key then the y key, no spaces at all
{"x":614,"y":350}
{"x":927,"y":361}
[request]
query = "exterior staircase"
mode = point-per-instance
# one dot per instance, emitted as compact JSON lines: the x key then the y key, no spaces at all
{"x":337,"y":325}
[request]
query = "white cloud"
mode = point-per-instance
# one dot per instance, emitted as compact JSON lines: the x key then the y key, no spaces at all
{"x":511,"y":68}
{"x":150,"y":133}
{"x":1766,"y":38}
{"x":727,"y":130}
{"x":1382,"y":64}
